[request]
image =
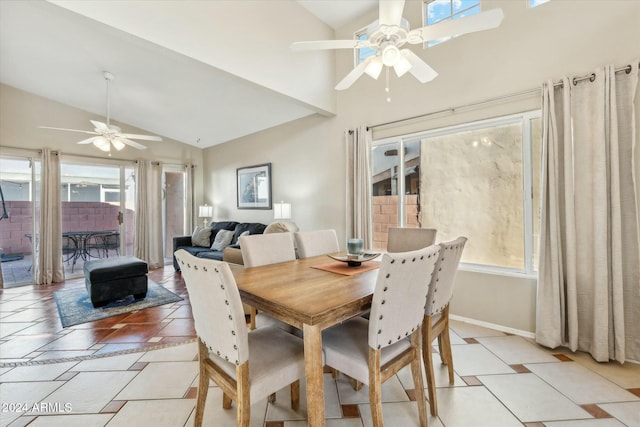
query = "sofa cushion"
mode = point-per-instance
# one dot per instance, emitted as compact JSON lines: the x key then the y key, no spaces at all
{"x":194,"y":250}
{"x":221,"y":225}
{"x":200,"y":236}
{"x":217,"y":255}
{"x":251,"y":227}
{"x":223,"y":238}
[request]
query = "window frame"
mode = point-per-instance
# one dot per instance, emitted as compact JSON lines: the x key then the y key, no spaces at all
{"x":356,"y":52}
{"x":535,"y":3}
{"x":528,"y":270}
{"x":452,"y":16}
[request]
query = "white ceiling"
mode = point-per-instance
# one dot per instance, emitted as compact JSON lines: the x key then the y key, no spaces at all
{"x":59,"y":54}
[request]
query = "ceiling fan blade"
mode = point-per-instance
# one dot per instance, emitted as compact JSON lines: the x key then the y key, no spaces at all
{"x":87,"y":141}
{"x":70,"y":130}
{"x":144,"y":137}
{"x":132,"y":143}
{"x":420,"y":69}
{"x":456,"y":27}
{"x":99,"y":125}
{"x":329,"y":44}
{"x":391,"y":12}
{"x":354,"y":75}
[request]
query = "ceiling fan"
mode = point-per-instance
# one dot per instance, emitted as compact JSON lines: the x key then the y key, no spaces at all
{"x":108,"y":135}
{"x":391,"y":31}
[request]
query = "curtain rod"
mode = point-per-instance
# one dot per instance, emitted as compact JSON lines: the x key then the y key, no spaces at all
{"x":575,"y":80}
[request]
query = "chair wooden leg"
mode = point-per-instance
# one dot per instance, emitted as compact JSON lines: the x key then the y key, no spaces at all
{"x":445,"y":346}
{"x":226,"y":401}
{"x":355,"y":384}
{"x":203,"y":384}
{"x":252,"y":318}
{"x":427,"y":339}
{"x":416,"y":371}
{"x":443,"y":357}
{"x":295,"y":395}
{"x":243,"y":403}
{"x":375,"y":388}
{"x":335,"y":373}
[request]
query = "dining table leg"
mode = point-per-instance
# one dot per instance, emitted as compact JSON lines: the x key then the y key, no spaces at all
{"x":314,"y":376}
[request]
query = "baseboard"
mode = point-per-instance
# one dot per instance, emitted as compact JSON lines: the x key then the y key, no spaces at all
{"x":500,"y":328}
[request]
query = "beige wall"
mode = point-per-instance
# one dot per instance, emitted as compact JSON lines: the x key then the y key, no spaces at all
{"x":531,"y":46}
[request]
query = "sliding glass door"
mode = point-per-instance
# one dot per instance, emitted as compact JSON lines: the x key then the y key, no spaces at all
{"x":174,"y":195}
{"x":97,"y":203}
{"x":19,"y":182}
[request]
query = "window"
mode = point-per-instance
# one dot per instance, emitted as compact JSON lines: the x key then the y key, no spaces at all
{"x":365,"y":52}
{"x":436,"y":11}
{"x":479,"y":180}
{"x":534,"y":3}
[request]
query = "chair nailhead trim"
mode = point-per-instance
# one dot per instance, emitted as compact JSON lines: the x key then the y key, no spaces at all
{"x":205,"y":268}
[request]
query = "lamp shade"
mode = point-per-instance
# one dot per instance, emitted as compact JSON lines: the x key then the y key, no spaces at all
{"x":205,"y":211}
{"x":282,"y":210}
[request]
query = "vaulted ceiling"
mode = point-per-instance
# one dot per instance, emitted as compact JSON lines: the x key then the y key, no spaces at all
{"x":200,"y":72}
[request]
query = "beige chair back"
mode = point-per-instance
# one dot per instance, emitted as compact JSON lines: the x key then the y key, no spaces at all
{"x":216,"y":305}
{"x":399,"y":298}
{"x":263,"y":249}
{"x":409,"y":239}
{"x":441,"y":287}
{"x":317,"y":242}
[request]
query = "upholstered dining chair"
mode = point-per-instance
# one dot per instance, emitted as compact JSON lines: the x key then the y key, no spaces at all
{"x":371,"y":351}
{"x":436,"y":315}
{"x":317,"y":242}
{"x":247,"y":366}
{"x":264,"y":249}
{"x":400,"y":239}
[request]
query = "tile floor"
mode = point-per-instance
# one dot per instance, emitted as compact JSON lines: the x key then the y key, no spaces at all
{"x":141,"y":370}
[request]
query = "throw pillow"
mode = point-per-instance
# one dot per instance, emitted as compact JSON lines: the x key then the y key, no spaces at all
{"x":200,"y":236}
{"x":281,"y":227}
{"x":223,"y":238}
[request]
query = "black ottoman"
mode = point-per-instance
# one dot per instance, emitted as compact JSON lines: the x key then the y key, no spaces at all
{"x":111,"y":279}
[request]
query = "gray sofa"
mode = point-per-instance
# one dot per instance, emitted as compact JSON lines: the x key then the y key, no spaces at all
{"x":238,"y":228}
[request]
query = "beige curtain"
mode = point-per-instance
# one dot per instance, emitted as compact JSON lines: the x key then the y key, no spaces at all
{"x":359,"y":212}
{"x":49,"y":268}
{"x":189,"y":199}
{"x":147,"y":238}
{"x":589,"y":272}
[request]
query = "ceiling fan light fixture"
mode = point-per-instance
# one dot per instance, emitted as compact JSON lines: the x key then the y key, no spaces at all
{"x":374,"y":68}
{"x":117,"y":144}
{"x":402,"y":66}
{"x":102,"y":143}
{"x":390,"y":55}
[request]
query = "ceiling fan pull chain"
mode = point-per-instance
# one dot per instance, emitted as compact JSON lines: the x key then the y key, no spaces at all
{"x":387,"y":87}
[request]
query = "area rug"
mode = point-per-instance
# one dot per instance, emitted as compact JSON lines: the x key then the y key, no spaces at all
{"x":74,"y":305}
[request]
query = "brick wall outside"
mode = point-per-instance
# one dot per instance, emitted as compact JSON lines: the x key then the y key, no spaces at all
{"x":76,"y":216}
{"x":385,"y":215}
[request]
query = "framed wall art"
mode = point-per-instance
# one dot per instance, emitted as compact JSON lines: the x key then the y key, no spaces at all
{"x":254,"y":187}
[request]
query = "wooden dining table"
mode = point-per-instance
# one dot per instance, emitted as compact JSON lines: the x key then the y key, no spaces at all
{"x":311,"y":299}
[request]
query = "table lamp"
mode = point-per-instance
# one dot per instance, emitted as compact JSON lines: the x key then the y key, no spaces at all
{"x":205,"y":212}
